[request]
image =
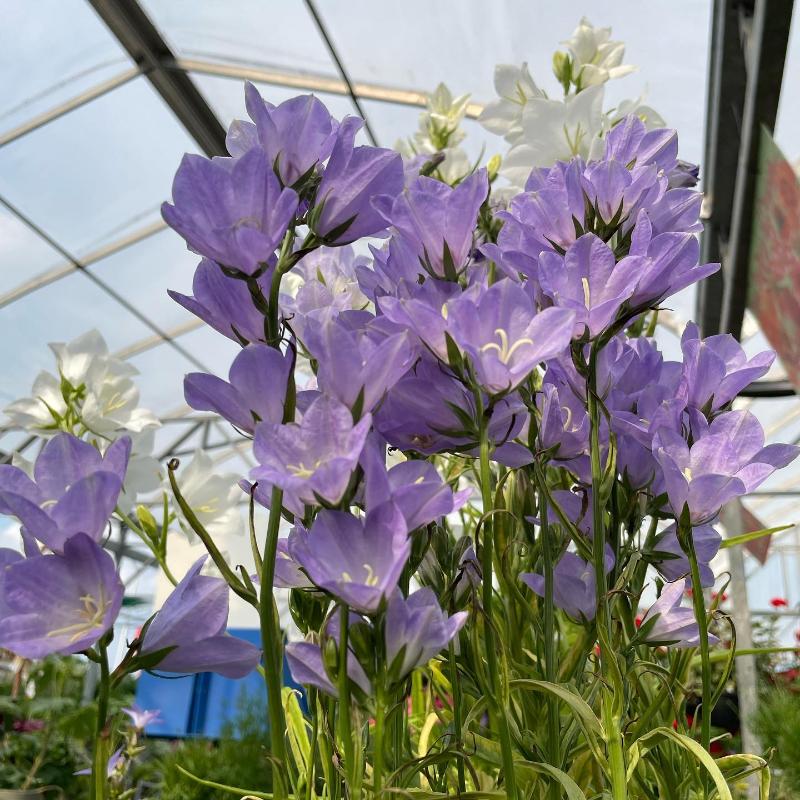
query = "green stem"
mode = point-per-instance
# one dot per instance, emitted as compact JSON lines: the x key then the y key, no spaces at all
{"x":101,"y":750}
{"x":455,"y":682}
{"x":270,"y":632}
{"x":162,"y":561}
{"x":312,"y":754}
{"x":380,"y":718}
{"x":343,"y":686}
{"x":611,"y":721}
{"x":498,"y":712}
{"x":553,"y":723}
{"x":399,"y":723}
{"x":205,"y":537}
{"x":699,"y":603}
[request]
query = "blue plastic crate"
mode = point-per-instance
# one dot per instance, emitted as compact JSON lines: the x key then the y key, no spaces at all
{"x":200,"y":705}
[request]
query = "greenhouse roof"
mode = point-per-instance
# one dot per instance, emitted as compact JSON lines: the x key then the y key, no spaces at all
{"x":90,"y":139}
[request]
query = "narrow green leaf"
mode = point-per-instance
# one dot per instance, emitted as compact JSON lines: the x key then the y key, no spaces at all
{"x":223,"y":787}
{"x":749,"y":537}
{"x":693,"y":748}
{"x":578,"y":705}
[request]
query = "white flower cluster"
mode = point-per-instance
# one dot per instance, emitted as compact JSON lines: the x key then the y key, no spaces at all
{"x":540,"y":130}
{"x":439,"y":132}
{"x":93,"y":396}
{"x":214,"y":498}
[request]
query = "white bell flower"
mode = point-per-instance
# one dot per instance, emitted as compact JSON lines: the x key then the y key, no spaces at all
{"x":93,"y":396}
{"x":214,"y":498}
{"x":515,"y":88}
{"x":552,"y":130}
{"x":439,"y":124}
{"x":595,"y":58}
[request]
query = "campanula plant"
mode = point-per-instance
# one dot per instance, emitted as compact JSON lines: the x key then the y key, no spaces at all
{"x":484,"y":488}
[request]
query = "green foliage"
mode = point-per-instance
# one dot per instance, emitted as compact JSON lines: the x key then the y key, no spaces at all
{"x":240,"y":761}
{"x":22,"y":762}
{"x":47,"y":728}
{"x":39,"y":744}
{"x":777,"y":724}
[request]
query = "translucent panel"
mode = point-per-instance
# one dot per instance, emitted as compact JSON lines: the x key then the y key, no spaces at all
{"x":161,"y":381}
{"x":23,"y":254}
{"x":460,"y":41}
{"x":52,"y":51}
{"x":56,"y":313}
{"x":226,"y":97}
{"x":787,"y":127}
{"x":9,"y":533}
{"x":90,"y":176}
{"x":170,"y":433}
{"x":143,"y":272}
{"x":779,"y":577}
{"x":271,"y":33}
{"x":214,"y":350}
{"x":18,"y":441}
{"x":233,"y":461}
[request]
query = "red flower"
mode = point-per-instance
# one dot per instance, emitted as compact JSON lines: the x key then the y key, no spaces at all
{"x":779,"y":602}
{"x":722,"y":597}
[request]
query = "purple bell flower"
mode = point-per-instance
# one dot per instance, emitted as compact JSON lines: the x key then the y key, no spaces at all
{"x":315,"y":458}
{"x":564,"y":423}
{"x":74,"y":489}
{"x":424,"y":310}
{"x":307,"y":667}
{"x":629,"y":142}
{"x":419,"y":414}
{"x":288,"y":574}
{"x":716,"y":369}
{"x":588,"y":281}
{"x":357,"y":560}
{"x":542,"y":216}
{"x":684,"y":175}
{"x":728,"y":461}
{"x":574,"y":585}
{"x":256,"y":390}
{"x":617,"y":192}
{"x":225,"y":303}
{"x":667,"y":262}
{"x":116,"y":759}
{"x":231,"y":210}
{"x":414,"y":486}
{"x":437,"y":220}
{"x":505,"y":338}
{"x":193,"y":621}
{"x":416,"y":630}
{"x":353,"y":364}
{"x":354,"y":176}
{"x":296,"y":136}
{"x":395,"y":270}
{"x":674,"y":625}
{"x":330,"y":287}
{"x":141,"y":718}
{"x":706,"y":546}
{"x":7,"y":558}
{"x":61,"y":603}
